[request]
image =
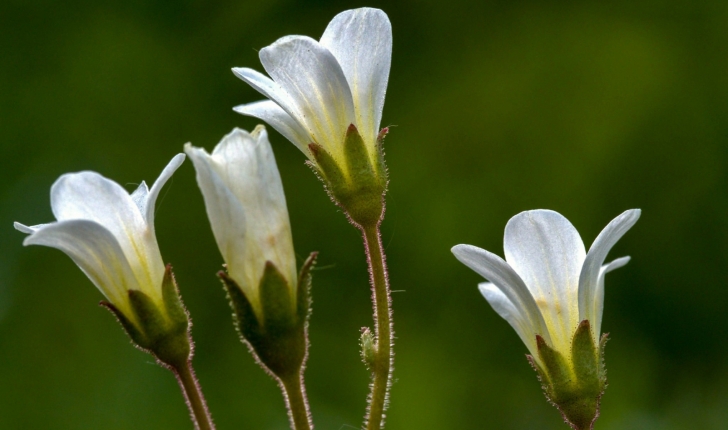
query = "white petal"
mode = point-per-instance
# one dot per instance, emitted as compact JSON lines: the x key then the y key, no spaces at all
{"x":546,"y":251}
{"x":246,"y":207}
{"x":588,"y":279}
{"x":167,"y":173}
{"x":270,"y":89}
{"x":224,"y":211}
{"x":90,"y":196}
{"x":279,"y":119}
{"x":509,"y":312}
{"x":361,"y":41}
{"x":497,"y":271}
{"x":599,"y":296}
{"x":95,"y":250}
{"x":139,"y":196}
{"x":29,"y":229}
{"x":314,"y":81}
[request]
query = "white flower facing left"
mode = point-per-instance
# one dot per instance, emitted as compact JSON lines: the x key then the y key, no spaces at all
{"x":108,"y":233}
{"x":319,"y":88}
{"x":548,"y":283}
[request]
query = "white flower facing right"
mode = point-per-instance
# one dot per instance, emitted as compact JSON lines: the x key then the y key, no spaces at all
{"x":319,"y":88}
{"x":547,"y":284}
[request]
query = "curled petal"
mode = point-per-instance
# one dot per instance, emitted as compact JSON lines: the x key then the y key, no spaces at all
{"x":599,"y":296}
{"x":267,"y":87}
{"x":167,"y":173}
{"x":589,"y":276}
{"x":509,"y":312}
{"x":497,"y":271}
{"x":29,"y":229}
{"x":95,"y":250}
{"x":90,"y":196}
{"x":139,"y":196}
{"x":361,"y":41}
{"x":547,"y":252}
{"x":279,"y":119}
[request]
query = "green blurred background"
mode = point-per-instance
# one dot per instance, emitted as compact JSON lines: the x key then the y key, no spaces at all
{"x":499,"y":106}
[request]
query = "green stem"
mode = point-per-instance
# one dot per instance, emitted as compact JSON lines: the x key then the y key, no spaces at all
{"x":297,"y":403}
{"x":193,"y":395}
{"x":382,"y":366}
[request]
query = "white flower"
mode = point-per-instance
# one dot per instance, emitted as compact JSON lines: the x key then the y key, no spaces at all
{"x":548,"y":284}
{"x":319,"y":88}
{"x":247,"y":209}
{"x":108,"y":233}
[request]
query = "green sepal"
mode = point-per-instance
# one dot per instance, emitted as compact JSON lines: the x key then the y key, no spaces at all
{"x":150,"y":318}
{"x":136,"y":335}
{"x":276,"y":301}
{"x":329,"y":171}
{"x":358,"y":164}
{"x":359,"y":184}
{"x":574,"y":387}
{"x":244,"y":318}
{"x":556,"y":369}
{"x":381,"y":166}
{"x":277,"y":338}
{"x":176,"y":311}
{"x":364,"y":203}
{"x":303,"y":301}
{"x":602,"y":367}
{"x":161,"y":331}
{"x":585,"y":359}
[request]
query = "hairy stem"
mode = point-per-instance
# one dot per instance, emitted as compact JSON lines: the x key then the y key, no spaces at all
{"x":297,"y":403}
{"x":193,"y":395}
{"x":383,"y":363}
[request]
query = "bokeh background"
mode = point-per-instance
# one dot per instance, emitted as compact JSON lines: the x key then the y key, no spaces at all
{"x":496,"y":106}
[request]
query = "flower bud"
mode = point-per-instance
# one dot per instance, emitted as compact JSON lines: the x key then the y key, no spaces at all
{"x":247,"y":211}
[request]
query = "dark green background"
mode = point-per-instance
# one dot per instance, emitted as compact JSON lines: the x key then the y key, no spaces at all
{"x":499,"y":107}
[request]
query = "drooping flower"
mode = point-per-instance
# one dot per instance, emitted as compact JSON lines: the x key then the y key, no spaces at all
{"x":551,"y":291}
{"x":108,"y":233}
{"x":327,"y":98}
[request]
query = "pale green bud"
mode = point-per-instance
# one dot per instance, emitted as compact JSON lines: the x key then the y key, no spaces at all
{"x":368,"y":348}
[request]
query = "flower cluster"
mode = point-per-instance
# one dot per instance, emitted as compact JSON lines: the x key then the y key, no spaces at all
{"x":326,"y":97}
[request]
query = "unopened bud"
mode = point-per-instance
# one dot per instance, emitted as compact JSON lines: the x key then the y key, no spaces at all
{"x":368,"y":348}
